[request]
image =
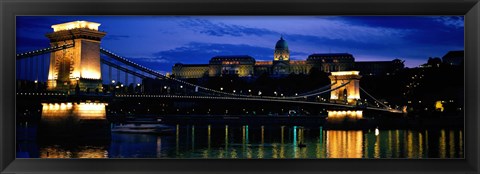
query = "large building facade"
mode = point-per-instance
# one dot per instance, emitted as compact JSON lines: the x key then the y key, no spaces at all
{"x":281,"y":65}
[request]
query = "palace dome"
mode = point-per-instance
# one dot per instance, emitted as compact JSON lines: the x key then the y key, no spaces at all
{"x":281,"y":44}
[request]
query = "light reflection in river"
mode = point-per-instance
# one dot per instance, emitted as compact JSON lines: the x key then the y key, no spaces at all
{"x":80,"y":152}
{"x":257,"y":141}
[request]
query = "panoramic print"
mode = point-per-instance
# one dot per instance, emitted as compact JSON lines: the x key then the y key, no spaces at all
{"x":240,"y":87}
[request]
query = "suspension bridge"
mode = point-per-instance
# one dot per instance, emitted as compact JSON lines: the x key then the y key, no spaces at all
{"x":74,"y":63}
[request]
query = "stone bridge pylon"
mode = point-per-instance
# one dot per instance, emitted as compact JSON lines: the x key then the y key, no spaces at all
{"x":76,"y":66}
{"x":349,"y":93}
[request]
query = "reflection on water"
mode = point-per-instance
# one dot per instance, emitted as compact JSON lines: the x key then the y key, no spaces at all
{"x":344,"y":144}
{"x":251,"y":141}
{"x":79,"y":152}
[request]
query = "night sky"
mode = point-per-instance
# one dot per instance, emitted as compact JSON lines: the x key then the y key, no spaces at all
{"x":158,"y":42}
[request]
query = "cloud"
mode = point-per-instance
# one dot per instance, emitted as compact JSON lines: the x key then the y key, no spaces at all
{"x":201,"y":53}
{"x":332,"y":28}
{"x":451,"y":21}
{"x":222,"y":29}
{"x":197,"y":52}
{"x":162,"y":41}
{"x":150,"y":59}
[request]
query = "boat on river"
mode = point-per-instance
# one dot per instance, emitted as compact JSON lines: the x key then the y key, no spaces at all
{"x":143,"y":128}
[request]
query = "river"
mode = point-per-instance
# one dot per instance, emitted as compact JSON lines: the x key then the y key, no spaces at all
{"x":250,"y":141}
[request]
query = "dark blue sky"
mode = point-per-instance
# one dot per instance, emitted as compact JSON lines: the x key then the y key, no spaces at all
{"x":158,"y":42}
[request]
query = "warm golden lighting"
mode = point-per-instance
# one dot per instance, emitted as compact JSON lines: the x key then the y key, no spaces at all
{"x":442,"y":149}
{"x":91,"y":110}
{"x":263,"y":63}
{"x":81,"y":110}
{"x":344,"y":73}
{"x":230,"y":62}
{"x":354,"y":96}
{"x":345,"y":87}
{"x":298,"y":62}
{"x":84,"y":152}
{"x":77,"y":62}
{"x":404,"y":109}
{"x":75,"y":25}
{"x":345,"y":114}
{"x":439,"y":106}
{"x":344,"y":144}
{"x":89,"y":73}
{"x":93,"y":153}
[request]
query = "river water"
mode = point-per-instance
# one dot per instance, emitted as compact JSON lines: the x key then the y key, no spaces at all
{"x":251,"y":141}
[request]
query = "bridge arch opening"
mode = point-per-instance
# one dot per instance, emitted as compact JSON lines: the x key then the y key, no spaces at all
{"x":345,"y":87}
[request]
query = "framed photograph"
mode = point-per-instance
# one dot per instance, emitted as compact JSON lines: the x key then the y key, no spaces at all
{"x":230,"y":87}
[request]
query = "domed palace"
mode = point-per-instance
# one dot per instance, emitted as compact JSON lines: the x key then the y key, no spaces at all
{"x":281,"y":65}
{"x":281,"y":51}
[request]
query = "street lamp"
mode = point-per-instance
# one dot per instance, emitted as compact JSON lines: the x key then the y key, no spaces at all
{"x":113,"y":81}
{"x":259,"y":92}
{"x":181,"y":86}
{"x":221,"y":88}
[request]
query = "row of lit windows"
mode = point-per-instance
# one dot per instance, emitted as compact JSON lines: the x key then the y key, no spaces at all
{"x":342,"y":57}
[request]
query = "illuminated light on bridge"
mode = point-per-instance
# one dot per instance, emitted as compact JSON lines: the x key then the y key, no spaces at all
{"x":348,"y":93}
{"x":353,"y":115}
{"x":42,"y":94}
{"x":80,"y":111}
{"x":75,"y":25}
{"x":72,"y":75}
{"x":89,"y":74}
{"x":80,"y":57}
{"x":345,"y":73}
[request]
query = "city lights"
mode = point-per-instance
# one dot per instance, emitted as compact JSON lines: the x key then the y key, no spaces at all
{"x":319,"y":105}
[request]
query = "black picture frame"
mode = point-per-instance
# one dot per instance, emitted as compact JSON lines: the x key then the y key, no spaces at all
{"x":9,"y":9}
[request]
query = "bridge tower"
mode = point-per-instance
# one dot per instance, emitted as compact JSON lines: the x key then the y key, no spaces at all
{"x":77,"y":66}
{"x":348,"y":94}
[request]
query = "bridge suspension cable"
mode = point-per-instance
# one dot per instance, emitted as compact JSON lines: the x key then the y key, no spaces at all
{"x":160,"y":75}
{"x":378,"y":101}
{"x":318,"y":89}
{"x":43,"y":51}
{"x":132,"y":64}
{"x":106,"y":62}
